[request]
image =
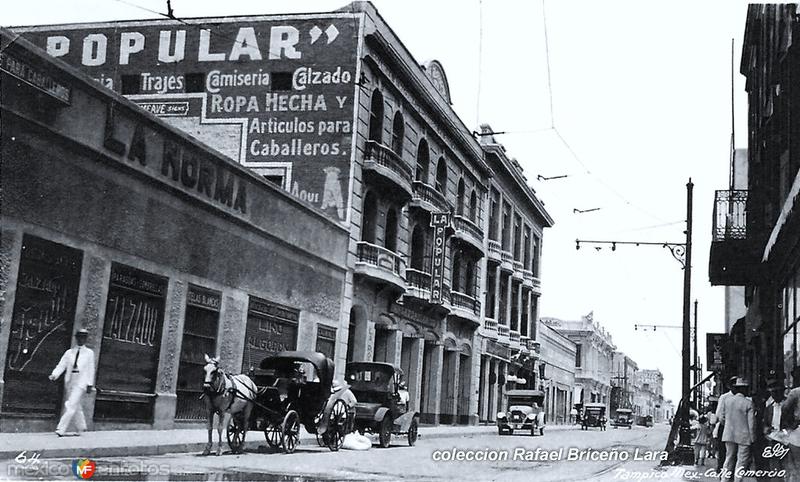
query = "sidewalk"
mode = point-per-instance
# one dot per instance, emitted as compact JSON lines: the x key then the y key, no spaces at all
{"x":115,"y":443}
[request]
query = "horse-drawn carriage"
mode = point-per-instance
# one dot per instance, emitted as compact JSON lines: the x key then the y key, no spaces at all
{"x":293,"y":388}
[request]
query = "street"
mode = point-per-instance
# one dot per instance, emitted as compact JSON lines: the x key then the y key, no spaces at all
{"x":563,"y":454}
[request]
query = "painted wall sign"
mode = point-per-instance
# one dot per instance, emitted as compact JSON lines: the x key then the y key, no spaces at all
{"x":281,"y":90}
{"x":41,"y":324}
{"x":439,"y":223}
{"x":132,"y":331}
{"x":34,"y":78}
{"x":326,"y":341}
{"x":715,"y":350}
{"x":271,"y":328}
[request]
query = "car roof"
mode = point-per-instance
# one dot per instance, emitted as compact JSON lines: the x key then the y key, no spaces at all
{"x":381,"y":366}
{"x":524,"y":393}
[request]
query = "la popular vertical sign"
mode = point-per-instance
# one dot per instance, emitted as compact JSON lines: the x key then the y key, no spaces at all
{"x":274,"y":93}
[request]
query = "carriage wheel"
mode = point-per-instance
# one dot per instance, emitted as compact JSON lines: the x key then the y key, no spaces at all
{"x":337,"y":426}
{"x":320,"y":440}
{"x":413,"y":432}
{"x":273,"y":435}
{"x":291,"y":431}
{"x":236,"y":433}
{"x":385,"y":437}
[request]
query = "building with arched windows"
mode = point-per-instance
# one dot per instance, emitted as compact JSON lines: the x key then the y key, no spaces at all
{"x":332,"y":108}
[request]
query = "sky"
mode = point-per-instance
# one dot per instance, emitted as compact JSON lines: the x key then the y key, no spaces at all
{"x":629,"y":99}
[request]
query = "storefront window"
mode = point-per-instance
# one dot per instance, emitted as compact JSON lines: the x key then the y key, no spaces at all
{"x":199,"y":339}
{"x":326,"y":341}
{"x":128,"y":363}
{"x":41,"y":325}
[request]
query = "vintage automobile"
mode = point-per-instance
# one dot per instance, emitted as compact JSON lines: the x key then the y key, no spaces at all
{"x":525,"y":412}
{"x":624,"y":418}
{"x":382,"y":406}
{"x":294,"y":389}
{"x":594,"y":415}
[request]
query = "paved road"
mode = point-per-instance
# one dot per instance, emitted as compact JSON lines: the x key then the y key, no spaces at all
{"x":563,"y":455}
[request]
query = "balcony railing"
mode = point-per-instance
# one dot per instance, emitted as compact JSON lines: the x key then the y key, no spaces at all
{"x":730,"y":215}
{"x":460,"y":223}
{"x":495,"y":250}
{"x":465,"y":301}
{"x":382,"y":263}
{"x":502,"y":330}
{"x":508,"y":257}
{"x":513,"y":335}
{"x":387,"y":159}
{"x":425,"y":193}
{"x":735,"y":254}
{"x":418,"y":279}
{"x":490,"y":324}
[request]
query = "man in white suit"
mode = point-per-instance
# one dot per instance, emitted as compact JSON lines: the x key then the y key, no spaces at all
{"x":740,"y":431}
{"x":77,"y":365}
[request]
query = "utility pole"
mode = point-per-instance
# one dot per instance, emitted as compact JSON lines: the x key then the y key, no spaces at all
{"x":697,"y":398}
{"x":684,"y":452}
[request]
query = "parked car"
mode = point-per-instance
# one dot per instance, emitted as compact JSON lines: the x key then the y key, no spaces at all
{"x":525,"y":412}
{"x":382,"y":406}
{"x":594,"y":415}
{"x":624,"y":418}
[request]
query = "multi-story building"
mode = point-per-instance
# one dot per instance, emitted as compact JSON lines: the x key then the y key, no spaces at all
{"x":162,"y":249}
{"x":756,"y":240}
{"x":557,"y":372}
{"x":649,"y":394}
{"x":594,"y":350}
{"x":335,"y":110}
{"x":623,"y":378}
{"x":516,"y":221}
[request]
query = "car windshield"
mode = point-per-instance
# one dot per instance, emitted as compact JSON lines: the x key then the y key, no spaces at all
{"x":370,"y":379}
{"x":526,"y":401}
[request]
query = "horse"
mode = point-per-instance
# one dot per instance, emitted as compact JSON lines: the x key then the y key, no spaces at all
{"x":227,"y":396}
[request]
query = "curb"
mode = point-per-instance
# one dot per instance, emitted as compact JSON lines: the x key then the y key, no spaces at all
{"x":252,"y":445}
{"x":186,"y":447}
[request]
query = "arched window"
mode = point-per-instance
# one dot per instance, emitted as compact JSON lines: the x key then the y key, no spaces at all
{"x":418,"y":248}
{"x":390,"y":231}
{"x":441,"y":176}
{"x":473,"y":206}
{"x":376,"y":117}
{"x":370,"y":220}
{"x":460,"y":198}
{"x":398,"y":133}
{"x":423,"y":162}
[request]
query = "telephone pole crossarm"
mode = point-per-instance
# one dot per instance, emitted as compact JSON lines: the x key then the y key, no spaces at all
{"x":677,"y":250}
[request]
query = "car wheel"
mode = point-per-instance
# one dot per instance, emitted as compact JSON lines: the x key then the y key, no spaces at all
{"x":385,"y":437}
{"x":511,"y":431}
{"x":413,"y":431}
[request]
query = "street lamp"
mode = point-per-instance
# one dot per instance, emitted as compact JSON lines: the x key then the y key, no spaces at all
{"x":683,"y":454}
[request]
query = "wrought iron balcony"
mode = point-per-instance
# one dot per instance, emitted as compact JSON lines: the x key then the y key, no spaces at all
{"x":427,"y":197}
{"x":733,"y":259}
{"x":418,"y":279}
{"x":469,"y":232}
{"x":379,"y":264}
{"x":513,"y":335}
{"x":465,"y":307}
{"x":384,"y":167}
{"x":418,"y":285}
{"x":495,"y":250}
{"x":490,"y":324}
{"x":518,"y":269}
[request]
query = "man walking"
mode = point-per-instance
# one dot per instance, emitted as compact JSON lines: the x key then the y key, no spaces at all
{"x":720,"y":425}
{"x":738,"y":418}
{"x":77,"y":365}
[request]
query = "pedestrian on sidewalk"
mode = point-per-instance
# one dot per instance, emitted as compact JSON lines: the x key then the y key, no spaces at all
{"x":790,"y":420}
{"x":739,"y":433}
{"x":711,"y":446}
{"x":771,"y":423}
{"x":573,"y":415}
{"x":720,"y":427}
{"x":77,"y":365}
{"x":701,"y":434}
